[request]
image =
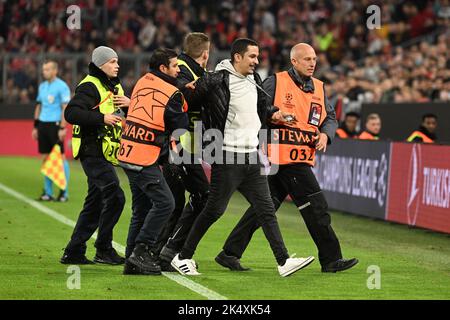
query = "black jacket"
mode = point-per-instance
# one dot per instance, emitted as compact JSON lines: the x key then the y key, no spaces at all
{"x":184,"y":77}
{"x":425,"y":131}
{"x":212,"y":90}
{"x":330,"y":123}
{"x":80,"y":111}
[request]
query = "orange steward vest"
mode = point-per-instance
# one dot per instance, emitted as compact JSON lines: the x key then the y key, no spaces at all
{"x":367,"y":136}
{"x":415,"y":134}
{"x":341,"y":133}
{"x":143,"y":135}
{"x":292,"y":143}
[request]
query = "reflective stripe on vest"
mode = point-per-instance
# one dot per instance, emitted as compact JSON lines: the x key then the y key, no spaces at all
{"x":367,"y":136}
{"x":292,"y":143}
{"x":109,"y":135}
{"x":421,"y":135}
{"x":143,"y":134}
{"x":187,"y":140}
{"x":341,"y":133}
{"x":184,"y":63}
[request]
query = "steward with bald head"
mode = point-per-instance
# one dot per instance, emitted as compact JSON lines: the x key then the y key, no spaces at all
{"x":292,"y":146}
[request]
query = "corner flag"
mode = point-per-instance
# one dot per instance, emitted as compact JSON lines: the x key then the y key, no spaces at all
{"x":53,"y":167}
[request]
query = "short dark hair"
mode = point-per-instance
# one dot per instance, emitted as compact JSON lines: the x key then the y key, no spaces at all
{"x":352,"y":114}
{"x":429,"y":115}
{"x":240,"y":46}
{"x":195,"y":43}
{"x":161,"y":56}
{"x":53,"y":62}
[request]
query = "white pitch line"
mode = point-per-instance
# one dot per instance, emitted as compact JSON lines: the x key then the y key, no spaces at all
{"x":185,"y":282}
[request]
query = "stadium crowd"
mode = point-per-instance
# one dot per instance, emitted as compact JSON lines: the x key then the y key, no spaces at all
{"x":359,"y":64}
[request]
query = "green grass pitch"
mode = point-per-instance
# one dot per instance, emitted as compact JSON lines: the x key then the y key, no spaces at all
{"x":413,"y":264}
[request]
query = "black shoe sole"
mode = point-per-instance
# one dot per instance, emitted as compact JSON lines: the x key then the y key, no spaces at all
{"x":166,"y":267}
{"x":140,"y":273}
{"x":167,"y":254}
{"x":341,"y":269}
{"x":88,"y":262}
{"x":97,"y":260}
{"x":143,"y":270}
{"x":225,"y":264}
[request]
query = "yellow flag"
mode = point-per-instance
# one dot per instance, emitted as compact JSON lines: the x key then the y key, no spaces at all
{"x":53,"y":167}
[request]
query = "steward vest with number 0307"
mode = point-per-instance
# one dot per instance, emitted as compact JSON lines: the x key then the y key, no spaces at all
{"x":292,"y":143}
{"x":108,"y":135}
{"x":143,"y":135}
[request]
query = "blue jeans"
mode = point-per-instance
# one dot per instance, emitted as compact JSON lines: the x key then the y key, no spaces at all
{"x":152,"y":205}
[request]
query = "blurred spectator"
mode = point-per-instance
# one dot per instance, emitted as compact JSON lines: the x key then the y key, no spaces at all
{"x":426,"y":133}
{"x":372,"y":128}
{"x":348,"y":128}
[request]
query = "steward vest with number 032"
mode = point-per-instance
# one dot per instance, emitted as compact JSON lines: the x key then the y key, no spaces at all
{"x":187,"y":140}
{"x":143,"y":135}
{"x":108,"y":135}
{"x":292,"y":143}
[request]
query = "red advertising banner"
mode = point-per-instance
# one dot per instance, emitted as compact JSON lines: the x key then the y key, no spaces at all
{"x":15,"y":139}
{"x":419,"y":188}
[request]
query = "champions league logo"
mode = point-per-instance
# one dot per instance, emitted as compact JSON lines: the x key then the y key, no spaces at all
{"x":382,"y":177}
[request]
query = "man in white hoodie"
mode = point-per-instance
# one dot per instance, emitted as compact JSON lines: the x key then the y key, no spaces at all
{"x":236,"y":106}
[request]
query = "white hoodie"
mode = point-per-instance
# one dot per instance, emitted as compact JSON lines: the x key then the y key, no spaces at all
{"x":242,"y":124}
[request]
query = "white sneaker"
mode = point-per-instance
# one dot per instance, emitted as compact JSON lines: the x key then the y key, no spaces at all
{"x":294,"y":264}
{"x":185,"y":267}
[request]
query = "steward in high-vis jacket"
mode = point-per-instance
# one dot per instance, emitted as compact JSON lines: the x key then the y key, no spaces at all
{"x":373,"y":128}
{"x":426,"y":133}
{"x":157,"y":108}
{"x":347,"y":129}
{"x":94,"y":112}
{"x":293,"y":147}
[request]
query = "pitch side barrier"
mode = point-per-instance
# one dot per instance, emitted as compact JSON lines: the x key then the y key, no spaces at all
{"x":406,"y":183}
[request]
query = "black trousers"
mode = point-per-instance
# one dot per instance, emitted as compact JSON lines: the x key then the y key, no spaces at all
{"x":225,"y":180}
{"x":300,"y":183}
{"x":102,"y":207}
{"x":182,"y":178}
{"x":152,"y":204}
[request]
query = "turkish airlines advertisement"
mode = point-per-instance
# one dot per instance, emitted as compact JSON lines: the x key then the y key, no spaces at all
{"x":419,"y":188}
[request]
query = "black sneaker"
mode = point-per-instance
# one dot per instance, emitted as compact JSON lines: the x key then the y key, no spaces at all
{"x":75,"y":259}
{"x":62,"y":197}
{"x":45,"y":197}
{"x":166,"y":266}
{"x":144,"y":260}
{"x":340,"y":265}
{"x":109,"y":256}
{"x":130,"y":269}
{"x":167,"y":254}
{"x":230,"y":262}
